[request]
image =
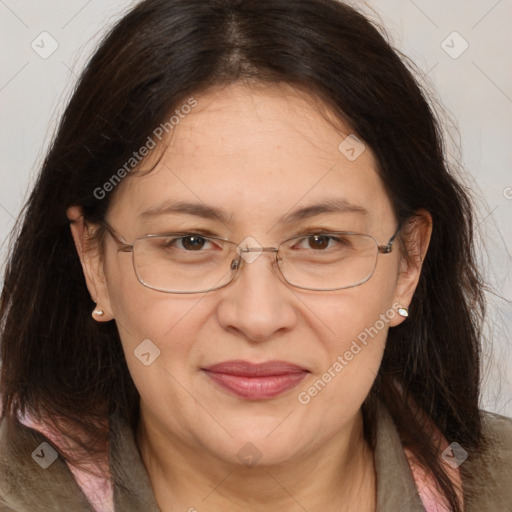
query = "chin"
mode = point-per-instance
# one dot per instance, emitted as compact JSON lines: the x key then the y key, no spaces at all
{"x":251,"y":453}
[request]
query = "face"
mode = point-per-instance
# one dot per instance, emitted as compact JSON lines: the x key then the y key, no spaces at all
{"x":258,"y":155}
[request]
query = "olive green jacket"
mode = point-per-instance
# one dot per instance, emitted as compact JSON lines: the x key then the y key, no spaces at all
{"x":27,"y":487}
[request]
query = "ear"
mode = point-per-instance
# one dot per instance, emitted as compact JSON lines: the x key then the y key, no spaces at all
{"x":415,"y":233}
{"x":90,"y":258}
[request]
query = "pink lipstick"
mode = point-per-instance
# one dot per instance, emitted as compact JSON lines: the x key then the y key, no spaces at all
{"x":256,"y":381}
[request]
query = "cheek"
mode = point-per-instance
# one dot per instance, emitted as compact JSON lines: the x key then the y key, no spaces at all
{"x":336,"y":392}
{"x":362,"y":312}
{"x":162,"y":318}
{"x":353,"y":331}
{"x":163,"y":325}
{"x":158,"y":334}
{"x":355,"y":337}
{"x":141,"y":312}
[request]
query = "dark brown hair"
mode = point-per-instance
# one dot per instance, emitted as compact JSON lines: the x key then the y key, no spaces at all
{"x":58,"y":362}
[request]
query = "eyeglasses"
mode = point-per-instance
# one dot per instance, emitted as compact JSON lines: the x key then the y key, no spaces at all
{"x":194,"y":263}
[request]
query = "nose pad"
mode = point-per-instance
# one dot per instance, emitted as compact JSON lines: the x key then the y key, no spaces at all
{"x":236,"y":263}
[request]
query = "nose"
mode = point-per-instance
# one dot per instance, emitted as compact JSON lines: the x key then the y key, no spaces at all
{"x":257,"y":304}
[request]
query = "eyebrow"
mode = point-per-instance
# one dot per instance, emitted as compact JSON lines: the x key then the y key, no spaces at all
{"x":327,"y":205}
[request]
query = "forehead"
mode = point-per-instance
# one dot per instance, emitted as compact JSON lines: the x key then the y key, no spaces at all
{"x":257,"y":152}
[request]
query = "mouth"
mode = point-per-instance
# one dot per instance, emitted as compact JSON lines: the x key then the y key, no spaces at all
{"x":256,"y":381}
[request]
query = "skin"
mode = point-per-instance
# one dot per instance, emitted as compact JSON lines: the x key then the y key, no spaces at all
{"x":273,"y":151}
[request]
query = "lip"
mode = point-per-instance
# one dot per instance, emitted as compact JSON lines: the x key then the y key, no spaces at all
{"x":256,"y":381}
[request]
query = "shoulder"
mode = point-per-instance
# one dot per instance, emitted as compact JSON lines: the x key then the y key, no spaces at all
{"x":17,"y":472}
{"x":14,"y":463}
{"x":32,"y":474}
{"x":487,"y":473}
{"x":497,"y":431}
{"x":498,"y":427}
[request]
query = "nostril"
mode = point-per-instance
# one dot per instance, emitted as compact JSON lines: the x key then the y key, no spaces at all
{"x":235,"y":264}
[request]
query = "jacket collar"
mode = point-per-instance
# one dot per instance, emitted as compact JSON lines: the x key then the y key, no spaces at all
{"x":396,"y":489}
{"x":27,"y":487}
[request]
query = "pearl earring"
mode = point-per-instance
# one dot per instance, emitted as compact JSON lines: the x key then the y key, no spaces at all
{"x":403,"y":311}
{"x":98,"y":312}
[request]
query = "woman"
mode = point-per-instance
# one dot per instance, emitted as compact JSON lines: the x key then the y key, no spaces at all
{"x":155,"y":357}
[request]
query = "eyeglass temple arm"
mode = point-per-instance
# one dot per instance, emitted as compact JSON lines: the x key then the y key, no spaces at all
{"x":385,"y":249}
{"x":123,"y":246}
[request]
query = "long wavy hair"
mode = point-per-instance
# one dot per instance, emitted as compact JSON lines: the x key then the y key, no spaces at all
{"x":58,"y":363}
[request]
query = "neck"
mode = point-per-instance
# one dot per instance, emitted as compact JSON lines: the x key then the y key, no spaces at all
{"x":339,"y":476}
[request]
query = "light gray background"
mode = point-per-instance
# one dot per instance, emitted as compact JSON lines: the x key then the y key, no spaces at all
{"x":474,"y":87}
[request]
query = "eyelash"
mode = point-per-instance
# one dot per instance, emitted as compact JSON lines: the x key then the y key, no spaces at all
{"x":304,"y":235}
{"x":210,"y":234}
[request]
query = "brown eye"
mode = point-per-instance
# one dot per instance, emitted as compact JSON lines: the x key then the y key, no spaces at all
{"x":319,"y":241}
{"x":192,"y":242}
{"x":188,"y":243}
